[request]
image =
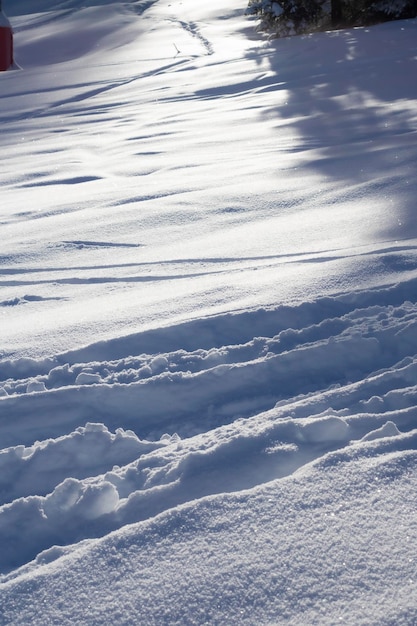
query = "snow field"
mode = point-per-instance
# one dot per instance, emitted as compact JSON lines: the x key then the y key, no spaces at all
{"x":208,"y":305}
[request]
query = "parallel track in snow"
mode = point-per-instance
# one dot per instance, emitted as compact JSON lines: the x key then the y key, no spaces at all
{"x":146,"y":429}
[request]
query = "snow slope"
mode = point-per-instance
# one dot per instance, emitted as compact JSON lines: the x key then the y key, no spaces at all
{"x":208,"y":337}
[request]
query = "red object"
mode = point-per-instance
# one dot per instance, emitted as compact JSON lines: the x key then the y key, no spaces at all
{"x":6,"y":43}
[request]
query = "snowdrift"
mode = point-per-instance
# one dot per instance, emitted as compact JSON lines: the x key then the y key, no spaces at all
{"x":208,"y":356}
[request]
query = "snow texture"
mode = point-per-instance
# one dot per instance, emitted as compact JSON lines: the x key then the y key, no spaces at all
{"x":208,"y":332}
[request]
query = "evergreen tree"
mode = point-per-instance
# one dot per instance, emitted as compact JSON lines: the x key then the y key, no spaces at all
{"x":289,"y":17}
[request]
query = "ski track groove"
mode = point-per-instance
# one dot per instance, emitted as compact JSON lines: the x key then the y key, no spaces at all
{"x":193,"y":408}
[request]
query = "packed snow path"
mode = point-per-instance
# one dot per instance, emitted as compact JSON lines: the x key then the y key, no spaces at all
{"x":208,"y":320}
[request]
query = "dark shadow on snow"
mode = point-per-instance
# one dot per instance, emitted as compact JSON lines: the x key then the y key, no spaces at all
{"x":338,"y":86}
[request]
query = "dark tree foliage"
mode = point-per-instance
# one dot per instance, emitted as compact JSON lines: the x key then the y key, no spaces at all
{"x":290,"y":17}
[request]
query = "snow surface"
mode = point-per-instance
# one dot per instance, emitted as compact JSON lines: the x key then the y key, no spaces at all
{"x":208,"y":336}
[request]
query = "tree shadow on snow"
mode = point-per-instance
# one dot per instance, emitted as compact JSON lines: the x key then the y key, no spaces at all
{"x":350,"y":99}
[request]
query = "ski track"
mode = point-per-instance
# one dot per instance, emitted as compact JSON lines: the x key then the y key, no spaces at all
{"x":148,"y":428}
